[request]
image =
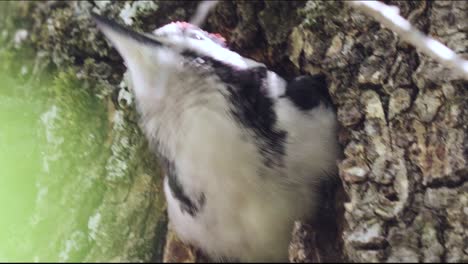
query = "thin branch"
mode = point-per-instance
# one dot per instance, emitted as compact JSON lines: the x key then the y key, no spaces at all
{"x":202,"y":12}
{"x":389,"y":16}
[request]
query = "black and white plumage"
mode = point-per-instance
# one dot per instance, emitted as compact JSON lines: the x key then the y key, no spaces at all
{"x":244,"y":151}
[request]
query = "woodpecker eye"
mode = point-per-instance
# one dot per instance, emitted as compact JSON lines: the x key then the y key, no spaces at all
{"x":195,"y":36}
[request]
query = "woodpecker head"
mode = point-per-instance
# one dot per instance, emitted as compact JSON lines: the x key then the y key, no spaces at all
{"x":177,"y":50}
{"x":184,"y":30}
{"x":175,"y":35}
{"x":180,"y":58}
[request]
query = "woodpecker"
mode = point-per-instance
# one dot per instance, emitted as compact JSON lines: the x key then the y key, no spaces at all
{"x":244,"y":150}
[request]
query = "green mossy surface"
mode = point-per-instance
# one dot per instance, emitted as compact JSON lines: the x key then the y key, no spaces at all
{"x":77,"y":182}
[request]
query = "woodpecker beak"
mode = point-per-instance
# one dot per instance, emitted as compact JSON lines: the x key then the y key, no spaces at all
{"x":138,"y":51}
{"x":115,"y":32}
{"x":134,"y":47}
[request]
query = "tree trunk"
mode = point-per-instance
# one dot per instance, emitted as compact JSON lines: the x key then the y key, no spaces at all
{"x":403,"y":117}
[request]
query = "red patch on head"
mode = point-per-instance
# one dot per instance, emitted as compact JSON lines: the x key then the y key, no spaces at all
{"x":218,"y":37}
{"x":183,"y":24}
{"x":214,"y":36}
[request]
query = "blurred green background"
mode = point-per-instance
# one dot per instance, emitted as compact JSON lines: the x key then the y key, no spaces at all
{"x":20,"y":164}
{"x":51,"y":161}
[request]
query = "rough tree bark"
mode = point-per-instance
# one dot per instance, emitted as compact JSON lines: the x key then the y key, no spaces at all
{"x":404,"y":118}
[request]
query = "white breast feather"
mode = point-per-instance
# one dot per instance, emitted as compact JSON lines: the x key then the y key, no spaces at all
{"x":244,"y":208}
